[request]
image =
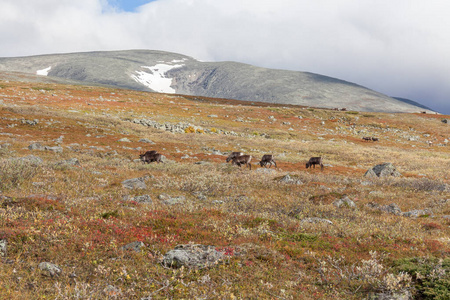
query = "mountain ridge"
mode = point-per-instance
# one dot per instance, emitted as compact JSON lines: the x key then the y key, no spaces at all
{"x":167,"y":72}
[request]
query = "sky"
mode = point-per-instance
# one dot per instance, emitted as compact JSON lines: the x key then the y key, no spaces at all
{"x":400,"y":48}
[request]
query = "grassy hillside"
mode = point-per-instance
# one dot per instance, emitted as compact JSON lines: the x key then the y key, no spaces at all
{"x":79,"y":215}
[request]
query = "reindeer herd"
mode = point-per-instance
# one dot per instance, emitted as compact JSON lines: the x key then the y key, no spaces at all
{"x":236,"y":158}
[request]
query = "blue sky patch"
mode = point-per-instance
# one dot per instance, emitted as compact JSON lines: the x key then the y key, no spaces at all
{"x":128,"y":5}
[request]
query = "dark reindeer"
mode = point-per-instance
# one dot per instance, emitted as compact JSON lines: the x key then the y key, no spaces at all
{"x":267,"y":159}
{"x":147,"y":154}
{"x":242,"y":160}
{"x":151,"y":156}
{"x":374,"y":139}
{"x":367,"y":138}
{"x":233,"y":155}
{"x":313,"y":161}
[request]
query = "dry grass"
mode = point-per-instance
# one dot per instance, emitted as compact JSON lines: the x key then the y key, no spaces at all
{"x":77,"y":216}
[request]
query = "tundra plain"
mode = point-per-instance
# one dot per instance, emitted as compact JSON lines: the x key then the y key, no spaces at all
{"x":65,"y":203}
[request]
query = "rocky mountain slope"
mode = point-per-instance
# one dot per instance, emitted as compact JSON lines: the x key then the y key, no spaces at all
{"x":167,"y":72}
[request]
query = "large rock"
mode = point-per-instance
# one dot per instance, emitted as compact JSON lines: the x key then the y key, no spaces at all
{"x":56,"y":149}
{"x":69,"y":162}
{"x":383,"y":170}
{"x":135,"y":183}
{"x":391,"y":208}
{"x":417,"y":213}
{"x":36,"y":146}
{"x":50,"y":269}
{"x":344,"y":202}
{"x":143,"y":199}
{"x":192,"y":256}
{"x":134,"y":246}
{"x":290,"y":180}
{"x":169,"y":200}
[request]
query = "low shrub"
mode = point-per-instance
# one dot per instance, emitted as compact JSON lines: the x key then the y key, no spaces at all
{"x":14,"y":172}
{"x":431,"y":276}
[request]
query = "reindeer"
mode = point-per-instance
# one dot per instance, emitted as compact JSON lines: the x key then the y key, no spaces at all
{"x":367,"y":138}
{"x":374,"y":139}
{"x":151,"y":156}
{"x":242,"y":160}
{"x":233,"y":155}
{"x":313,"y":161}
{"x":147,"y":154}
{"x":267,"y":159}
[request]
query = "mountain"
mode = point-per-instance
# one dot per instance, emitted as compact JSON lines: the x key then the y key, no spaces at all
{"x":166,"y":72}
{"x":412,"y":102}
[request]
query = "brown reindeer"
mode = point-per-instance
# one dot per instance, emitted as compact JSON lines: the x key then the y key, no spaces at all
{"x":267,"y":159}
{"x":367,"y":138}
{"x":151,"y":156}
{"x":233,"y":155}
{"x":242,"y":160}
{"x":374,"y":139}
{"x":313,"y":161}
{"x":147,"y":154}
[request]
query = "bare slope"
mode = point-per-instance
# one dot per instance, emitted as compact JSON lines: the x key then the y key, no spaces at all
{"x":175,"y":73}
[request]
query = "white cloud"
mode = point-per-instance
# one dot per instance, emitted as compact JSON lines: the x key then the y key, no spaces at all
{"x":400,"y":48}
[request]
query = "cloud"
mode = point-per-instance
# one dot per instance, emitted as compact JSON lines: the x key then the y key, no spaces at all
{"x":400,"y":48}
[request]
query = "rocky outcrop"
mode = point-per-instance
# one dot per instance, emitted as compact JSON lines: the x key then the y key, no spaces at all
{"x":383,"y":170}
{"x":135,"y":183}
{"x":192,"y":256}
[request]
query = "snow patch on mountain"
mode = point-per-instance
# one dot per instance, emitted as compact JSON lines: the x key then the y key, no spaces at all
{"x":155,"y":78}
{"x":43,"y":72}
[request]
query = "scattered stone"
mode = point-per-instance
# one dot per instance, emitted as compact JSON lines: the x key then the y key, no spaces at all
{"x":146,"y":141}
{"x":59,"y":140}
{"x":383,"y":170}
{"x":316,"y":220}
{"x":3,"y":248}
{"x":30,"y":122}
{"x":192,"y":256}
{"x":391,"y":208}
{"x":212,"y":116}
{"x":417,"y":213}
{"x":217,"y":152}
{"x":135,"y":183}
{"x":287,"y":179}
{"x":217,"y":202}
{"x":50,"y":269}
{"x":344,"y":202}
{"x":200,"y":196}
{"x":134,"y":246}
{"x":36,"y":146}
{"x":126,"y":140}
{"x":69,"y":162}
{"x":185,"y":156}
{"x":143,"y":199}
{"x":56,"y":149}
{"x":173,"y":200}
